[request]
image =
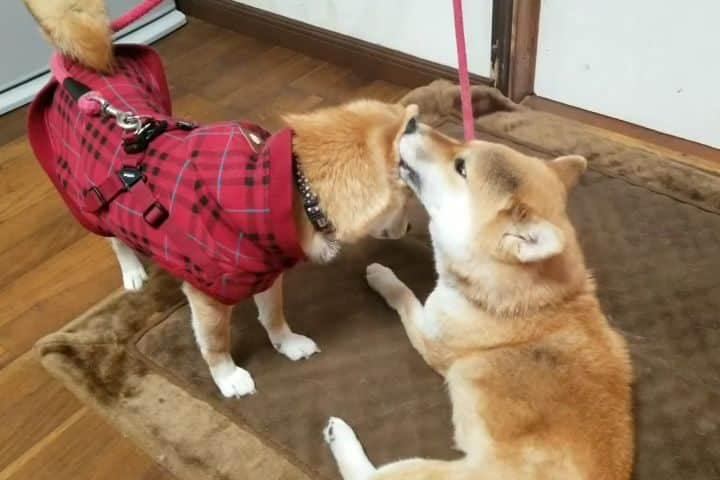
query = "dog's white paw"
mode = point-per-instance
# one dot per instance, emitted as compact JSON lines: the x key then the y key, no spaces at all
{"x":134,"y":278}
{"x":383,"y":280}
{"x":347,"y":450}
{"x":237,"y":383}
{"x":295,"y":346}
{"x":338,"y":432}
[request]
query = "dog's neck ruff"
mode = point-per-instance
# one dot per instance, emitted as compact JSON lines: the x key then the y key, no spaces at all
{"x":463,"y":285}
{"x":311,"y":203}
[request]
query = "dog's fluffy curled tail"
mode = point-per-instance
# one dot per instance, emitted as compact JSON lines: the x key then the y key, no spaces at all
{"x":80,"y":29}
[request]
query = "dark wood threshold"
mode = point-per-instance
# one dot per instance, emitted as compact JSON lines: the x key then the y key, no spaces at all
{"x":362,"y":57}
{"x":514,"y":46}
{"x":689,"y":152}
{"x":523,"y":49}
{"x":501,"y":38}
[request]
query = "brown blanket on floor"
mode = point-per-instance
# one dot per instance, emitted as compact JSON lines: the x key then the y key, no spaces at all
{"x":646,"y":223}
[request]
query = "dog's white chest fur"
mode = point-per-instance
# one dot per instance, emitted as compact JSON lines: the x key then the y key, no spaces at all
{"x":443,"y":302}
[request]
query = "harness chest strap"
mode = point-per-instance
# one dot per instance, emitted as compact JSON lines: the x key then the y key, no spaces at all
{"x":98,"y":197}
{"x":130,"y":176}
{"x":126,"y":179}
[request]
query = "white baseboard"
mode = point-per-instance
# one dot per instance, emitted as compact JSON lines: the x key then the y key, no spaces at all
{"x":24,"y":93}
{"x":157,"y":29}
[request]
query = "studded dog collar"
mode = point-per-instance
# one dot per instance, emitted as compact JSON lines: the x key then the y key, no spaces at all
{"x":311,"y":203}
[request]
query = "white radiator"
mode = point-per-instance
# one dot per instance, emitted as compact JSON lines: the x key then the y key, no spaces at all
{"x":24,"y":52}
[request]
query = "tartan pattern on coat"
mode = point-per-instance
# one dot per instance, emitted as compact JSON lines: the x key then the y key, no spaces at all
{"x":230,"y":230}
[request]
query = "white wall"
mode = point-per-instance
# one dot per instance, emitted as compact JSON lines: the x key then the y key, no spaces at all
{"x":24,"y":52}
{"x":654,"y":63}
{"x":423,"y":28}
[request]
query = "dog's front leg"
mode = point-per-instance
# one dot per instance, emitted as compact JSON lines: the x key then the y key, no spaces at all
{"x":133,"y":272}
{"x":354,"y":464}
{"x":402,"y":299}
{"x":272,"y":317}
{"x":211,"y":324}
{"x":347,"y":450}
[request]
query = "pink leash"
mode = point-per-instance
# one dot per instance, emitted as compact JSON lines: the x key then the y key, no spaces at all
{"x":129,"y":17}
{"x":463,"y":74}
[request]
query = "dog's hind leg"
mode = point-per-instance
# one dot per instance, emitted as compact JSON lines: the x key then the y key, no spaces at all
{"x":211,"y":325}
{"x":426,"y":469}
{"x":133,"y":272}
{"x":272,"y":317}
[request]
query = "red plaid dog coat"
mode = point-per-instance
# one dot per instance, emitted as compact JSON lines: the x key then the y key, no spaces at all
{"x":214,"y":206}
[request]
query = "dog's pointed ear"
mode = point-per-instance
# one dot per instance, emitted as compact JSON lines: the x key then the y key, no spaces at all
{"x":412,"y":110}
{"x":569,"y":168}
{"x":532,"y":240}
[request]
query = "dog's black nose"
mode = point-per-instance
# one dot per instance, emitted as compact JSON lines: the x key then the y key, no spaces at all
{"x":411,"y":126}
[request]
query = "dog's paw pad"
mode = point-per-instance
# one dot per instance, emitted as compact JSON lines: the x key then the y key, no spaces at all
{"x":329,"y":432}
{"x":238,"y":383}
{"x":134,"y":278}
{"x":295,"y":346}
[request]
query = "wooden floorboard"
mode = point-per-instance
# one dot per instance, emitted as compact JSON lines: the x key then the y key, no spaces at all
{"x":28,"y":390}
{"x":13,"y":127}
{"x":53,"y":270}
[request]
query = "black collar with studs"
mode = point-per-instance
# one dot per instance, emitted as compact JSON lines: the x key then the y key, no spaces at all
{"x":311,"y":202}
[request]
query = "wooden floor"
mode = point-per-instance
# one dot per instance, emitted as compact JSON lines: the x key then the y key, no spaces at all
{"x":52,"y":270}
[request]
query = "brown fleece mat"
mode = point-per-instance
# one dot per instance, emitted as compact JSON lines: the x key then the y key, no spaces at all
{"x":654,"y":254}
{"x":367,"y":373}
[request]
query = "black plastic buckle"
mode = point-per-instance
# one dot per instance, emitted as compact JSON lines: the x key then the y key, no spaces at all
{"x":155,"y":214}
{"x":185,"y":125}
{"x":139,"y":143}
{"x":129,"y":176}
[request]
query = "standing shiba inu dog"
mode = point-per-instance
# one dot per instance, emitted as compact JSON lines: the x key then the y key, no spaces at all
{"x":539,"y":382}
{"x":227,"y":207}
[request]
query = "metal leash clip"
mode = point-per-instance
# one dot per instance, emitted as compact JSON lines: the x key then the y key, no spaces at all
{"x":148,"y":132}
{"x":128,"y":121}
{"x":140,"y":130}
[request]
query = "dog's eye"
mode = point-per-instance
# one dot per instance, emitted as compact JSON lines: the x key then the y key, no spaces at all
{"x":460,"y":167}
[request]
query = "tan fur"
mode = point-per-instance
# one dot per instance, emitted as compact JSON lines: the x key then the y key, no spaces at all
{"x":78,"y":28}
{"x":348,"y":153}
{"x":539,"y":381}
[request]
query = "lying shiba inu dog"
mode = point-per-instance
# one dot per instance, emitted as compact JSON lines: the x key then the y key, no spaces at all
{"x":539,"y":382}
{"x":227,"y":207}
